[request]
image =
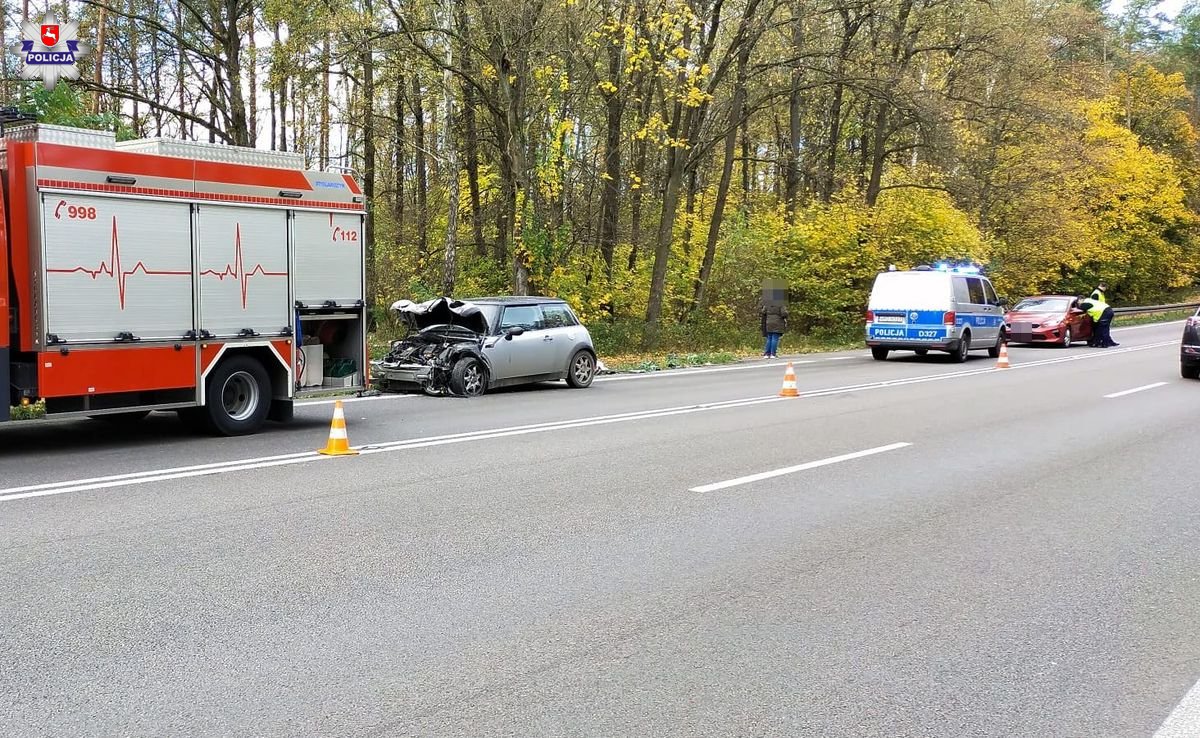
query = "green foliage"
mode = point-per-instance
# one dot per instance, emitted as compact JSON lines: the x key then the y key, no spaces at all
{"x":32,"y":411}
{"x":65,"y":105}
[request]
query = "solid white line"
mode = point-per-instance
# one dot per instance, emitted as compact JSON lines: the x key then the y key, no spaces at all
{"x":690,"y":372}
{"x":158,"y":475}
{"x":1184,"y":720}
{"x":798,"y":468}
{"x":1143,"y":388}
{"x":345,"y":400}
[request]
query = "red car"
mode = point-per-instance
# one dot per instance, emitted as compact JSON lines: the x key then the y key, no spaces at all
{"x":1055,"y":319}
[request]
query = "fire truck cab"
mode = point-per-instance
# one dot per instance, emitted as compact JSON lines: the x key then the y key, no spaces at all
{"x":216,"y":281}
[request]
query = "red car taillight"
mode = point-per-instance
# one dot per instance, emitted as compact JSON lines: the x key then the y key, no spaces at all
{"x":870,"y":316}
{"x":948,"y":318}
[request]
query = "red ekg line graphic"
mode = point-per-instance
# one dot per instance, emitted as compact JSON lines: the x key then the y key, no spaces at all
{"x":237,"y":269}
{"x":114,"y":269}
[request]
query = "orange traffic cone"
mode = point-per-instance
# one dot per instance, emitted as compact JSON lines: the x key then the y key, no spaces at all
{"x":789,"y":383}
{"x":338,"y":443}
{"x":1002,"y":363}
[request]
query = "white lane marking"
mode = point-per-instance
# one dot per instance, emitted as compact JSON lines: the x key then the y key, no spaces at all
{"x":1143,"y":388}
{"x":798,"y":468}
{"x":1184,"y":720}
{"x":691,"y":372}
{"x":316,"y":403}
{"x":1148,"y":325}
{"x":158,"y":475}
{"x":842,"y":358}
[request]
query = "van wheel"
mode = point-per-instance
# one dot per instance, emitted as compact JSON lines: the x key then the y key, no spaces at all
{"x":879,"y":354}
{"x":238,"y":396}
{"x":1189,"y":371}
{"x":994,"y":351}
{"x":921,"y":352}
{"x":964,"y":348}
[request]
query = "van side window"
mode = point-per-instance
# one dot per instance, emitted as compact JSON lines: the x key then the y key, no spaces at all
{"x":990,"y":293}
{"x":961,"y":295}
{"x":975,"y":287}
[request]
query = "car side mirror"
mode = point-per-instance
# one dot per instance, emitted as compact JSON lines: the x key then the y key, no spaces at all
{"x":516,"y":330}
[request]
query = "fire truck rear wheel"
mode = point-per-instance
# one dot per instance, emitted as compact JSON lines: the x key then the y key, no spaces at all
{"x":238,"y":396}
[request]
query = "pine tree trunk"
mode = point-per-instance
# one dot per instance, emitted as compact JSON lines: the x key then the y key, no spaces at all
{"x":418,"y":107}
{"x":101,"y":45}
{"x":369,"y":174}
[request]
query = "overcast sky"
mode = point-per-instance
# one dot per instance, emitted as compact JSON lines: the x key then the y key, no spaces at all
{"x":1170,"y":7}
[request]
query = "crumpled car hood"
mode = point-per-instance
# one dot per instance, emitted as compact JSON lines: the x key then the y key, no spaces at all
{"x":440,"y":311}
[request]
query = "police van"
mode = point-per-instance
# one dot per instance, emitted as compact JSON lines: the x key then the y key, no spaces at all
{"x":942,"y":308}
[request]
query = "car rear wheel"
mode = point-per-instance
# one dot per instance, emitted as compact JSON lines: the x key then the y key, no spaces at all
{"x":879,"y":354}
{"x":582,"y":370}
{"x":921,"y":352}
{"x":1068,"y":338}
{"x":964,"y":348}
{"x":467,"y":378}
{"x":1190,"y":371}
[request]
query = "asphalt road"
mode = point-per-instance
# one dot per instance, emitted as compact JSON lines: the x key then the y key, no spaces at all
{"x":912,"y":548}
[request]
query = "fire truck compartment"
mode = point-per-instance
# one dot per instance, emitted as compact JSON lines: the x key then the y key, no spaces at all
{"x":342,"y":339}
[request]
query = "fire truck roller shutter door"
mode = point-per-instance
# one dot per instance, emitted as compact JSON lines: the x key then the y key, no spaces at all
{"x":116,"y":266}
{"x":243,"y":270}
{"x":328,"y":258}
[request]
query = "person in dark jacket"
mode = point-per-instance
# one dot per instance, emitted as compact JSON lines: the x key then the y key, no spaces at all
{"x":774,"y":325}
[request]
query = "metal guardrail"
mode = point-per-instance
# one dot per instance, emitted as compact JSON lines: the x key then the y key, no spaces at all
{"x":1155,"y":308}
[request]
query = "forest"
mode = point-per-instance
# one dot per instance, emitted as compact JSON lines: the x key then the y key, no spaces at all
{"x":654,"y":161}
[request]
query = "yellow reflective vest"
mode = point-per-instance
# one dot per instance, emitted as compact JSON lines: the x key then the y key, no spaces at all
{"x":1098,"y":295}
{"x":1095,"y":308}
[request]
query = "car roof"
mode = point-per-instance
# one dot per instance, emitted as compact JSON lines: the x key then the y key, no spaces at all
{"x":515,"y":300}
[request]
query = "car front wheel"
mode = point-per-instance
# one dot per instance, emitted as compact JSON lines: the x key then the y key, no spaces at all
{"x":1068,"y":338}
{"x":582,"y":370}
{"x":1190,"y":371}
{"x":467,"y":377}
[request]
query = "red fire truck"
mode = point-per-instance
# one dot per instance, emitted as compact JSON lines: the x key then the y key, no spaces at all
{"x":219,"y":282}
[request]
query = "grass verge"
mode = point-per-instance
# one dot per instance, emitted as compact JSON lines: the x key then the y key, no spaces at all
{"x":1150,"y":318}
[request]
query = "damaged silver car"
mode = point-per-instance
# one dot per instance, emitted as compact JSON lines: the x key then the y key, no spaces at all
{"x":466,"y":347}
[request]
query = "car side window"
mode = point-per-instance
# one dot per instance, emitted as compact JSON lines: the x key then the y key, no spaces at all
{"x":975,"y":287}
{"x":557,"y":316}
{"x":990,"y":293}
{"x":528,"y":317}
{"x":961,"y":295}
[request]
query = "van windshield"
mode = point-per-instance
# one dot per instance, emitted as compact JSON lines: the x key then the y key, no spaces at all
{"x":911,"y":291}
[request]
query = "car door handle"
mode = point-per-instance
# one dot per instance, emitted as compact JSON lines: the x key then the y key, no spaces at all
{"x":548,"y":338}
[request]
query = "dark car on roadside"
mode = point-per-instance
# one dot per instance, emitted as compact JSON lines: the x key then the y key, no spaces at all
{"x":1189,"y":348}
{"x":1048,"y":319}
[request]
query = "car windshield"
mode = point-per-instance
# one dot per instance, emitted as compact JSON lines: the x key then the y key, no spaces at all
{"x":491,"y":314}
{"x":1044,"y":305}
